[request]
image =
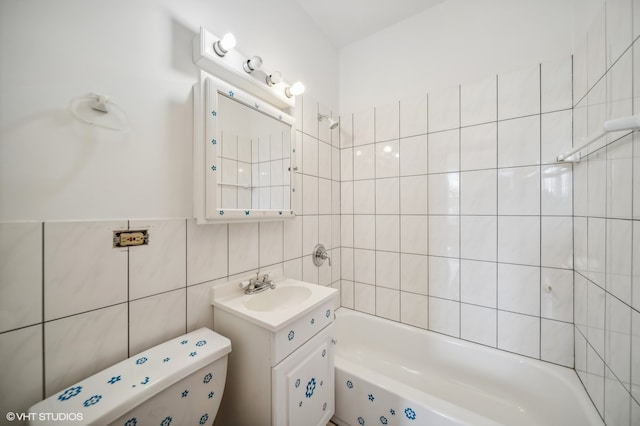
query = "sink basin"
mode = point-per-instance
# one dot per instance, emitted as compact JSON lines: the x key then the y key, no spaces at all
{"x":273,"y":309}
{"x":278,"y":298}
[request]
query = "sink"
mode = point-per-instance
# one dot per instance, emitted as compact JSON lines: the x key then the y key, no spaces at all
{"x":278,"y":298}
{"x":275,"y":308}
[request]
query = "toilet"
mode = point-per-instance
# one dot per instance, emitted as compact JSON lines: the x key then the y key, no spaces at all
{"x":178,"y":382}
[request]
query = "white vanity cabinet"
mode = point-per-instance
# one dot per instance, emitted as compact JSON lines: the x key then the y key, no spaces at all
{"x":281,"y":377}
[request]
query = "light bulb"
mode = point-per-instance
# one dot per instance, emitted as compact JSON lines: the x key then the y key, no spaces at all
{"x":252,"y":64}
{"x":228,"y":42}
{"x":295,"y":89}
{"x":274,"y":78}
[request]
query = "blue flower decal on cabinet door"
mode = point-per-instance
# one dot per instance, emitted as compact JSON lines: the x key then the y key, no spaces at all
{"x":167,"y":359}
{"x":349,"y":384}
{"x":201,"y":343}
{"x":361,"y":421}
{"x":69,"y":393}
{"x":383,"y":420}
{"x":211,"y":395}
{"x":166,"y":421}
{"x":371,"y":397}
{"x":185,"y":393}
{"x":204,"y":418}
{"x":114,"y":379}
{"x":131,"y":422}
{"x":207,"y":378}
{"x":141,"y":360}
{"x":311,"y":386}
{"x":291,"y":334}
{"x":297,"y":383}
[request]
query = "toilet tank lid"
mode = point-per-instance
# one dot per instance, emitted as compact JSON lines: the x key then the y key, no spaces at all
{"x":112,"y":392}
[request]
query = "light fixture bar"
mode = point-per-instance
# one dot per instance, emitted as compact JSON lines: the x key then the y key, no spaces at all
{"x":246,"y":73}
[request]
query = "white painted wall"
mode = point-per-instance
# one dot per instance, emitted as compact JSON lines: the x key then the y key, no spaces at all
{"x":139,"y":53}
{"x":455,"y":42}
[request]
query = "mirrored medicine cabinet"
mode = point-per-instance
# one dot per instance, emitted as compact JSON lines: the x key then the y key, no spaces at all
{"x":244,"y":155}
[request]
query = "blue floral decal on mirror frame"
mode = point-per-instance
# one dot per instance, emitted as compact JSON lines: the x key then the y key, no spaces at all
{"x":69,"y":393}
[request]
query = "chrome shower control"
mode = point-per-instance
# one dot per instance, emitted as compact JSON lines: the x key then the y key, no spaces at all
{"x":320,"y":255}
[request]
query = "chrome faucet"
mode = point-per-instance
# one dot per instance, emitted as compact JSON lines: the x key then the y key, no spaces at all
{"x":258,"y":284}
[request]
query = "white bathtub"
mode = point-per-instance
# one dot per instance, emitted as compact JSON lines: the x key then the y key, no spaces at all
{"x":388,"y":373}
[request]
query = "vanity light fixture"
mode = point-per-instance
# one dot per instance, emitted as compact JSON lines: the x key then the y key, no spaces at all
{"x":274,"y":78}
{"x":252,"y":64}
{"x":222,"y":46}
{"x":295,"y":89}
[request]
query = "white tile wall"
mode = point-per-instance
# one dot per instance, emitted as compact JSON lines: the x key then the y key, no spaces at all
{"x":477,"y":234}
{"x":605,"y":230}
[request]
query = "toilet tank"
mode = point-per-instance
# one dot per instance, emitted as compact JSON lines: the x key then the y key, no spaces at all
{"x":177,"y":382}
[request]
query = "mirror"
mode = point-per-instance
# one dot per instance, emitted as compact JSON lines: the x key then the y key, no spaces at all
{"x":243,"y":155}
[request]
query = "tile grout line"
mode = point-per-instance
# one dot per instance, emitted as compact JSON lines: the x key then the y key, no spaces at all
{"x":540,"y":210}
{"x":43,"y":341}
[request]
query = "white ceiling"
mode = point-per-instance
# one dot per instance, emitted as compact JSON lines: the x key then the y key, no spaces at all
{"x":346,"y":21}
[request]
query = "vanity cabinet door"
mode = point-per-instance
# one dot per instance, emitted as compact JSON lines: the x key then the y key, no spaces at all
{"x":303,"y":383}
